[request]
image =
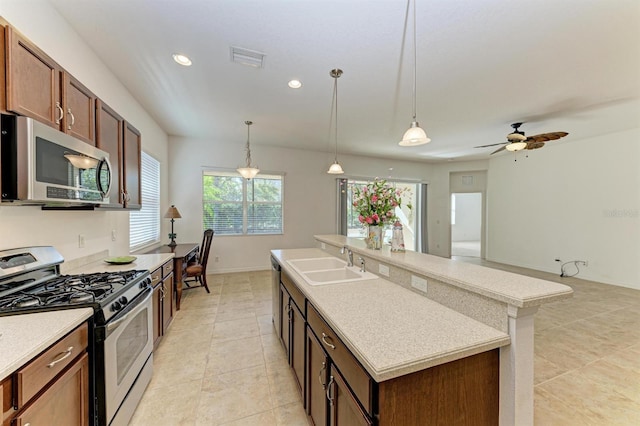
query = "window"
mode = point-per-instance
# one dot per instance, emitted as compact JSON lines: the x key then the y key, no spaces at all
{"x":144,"y":224}
{"x":411,"y":219}
{"x":232,"y":205}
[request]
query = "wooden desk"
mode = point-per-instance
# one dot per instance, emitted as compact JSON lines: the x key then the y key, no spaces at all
{"x":183,"y":254}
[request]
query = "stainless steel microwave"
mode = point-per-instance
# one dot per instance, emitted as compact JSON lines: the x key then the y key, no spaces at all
{"x":41,"y":165}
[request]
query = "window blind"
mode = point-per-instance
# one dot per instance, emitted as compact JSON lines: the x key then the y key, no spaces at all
{"x":144,"y":224}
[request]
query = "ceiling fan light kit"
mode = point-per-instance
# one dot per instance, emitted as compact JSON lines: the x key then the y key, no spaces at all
{"x":415,"y":135}
{"x":517,"y":141}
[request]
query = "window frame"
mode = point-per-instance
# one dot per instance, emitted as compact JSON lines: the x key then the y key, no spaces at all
{"x":245,"y":203}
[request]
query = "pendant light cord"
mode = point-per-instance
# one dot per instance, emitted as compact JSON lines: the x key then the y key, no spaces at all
{"x":415,"y":60}
{"x":335,"y":96}
{"x":248,"y":123}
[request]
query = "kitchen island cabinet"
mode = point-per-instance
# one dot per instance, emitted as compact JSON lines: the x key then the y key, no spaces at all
{"x":347,"y":382}
{"x":163,"y":305}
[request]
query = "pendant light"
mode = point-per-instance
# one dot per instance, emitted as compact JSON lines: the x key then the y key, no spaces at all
{"x":415,"y":135}
{"x":335,"y":168}
{"x":248,"y":172}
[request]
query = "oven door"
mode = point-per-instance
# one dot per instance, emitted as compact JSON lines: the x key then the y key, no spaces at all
{"x":127,"y":347}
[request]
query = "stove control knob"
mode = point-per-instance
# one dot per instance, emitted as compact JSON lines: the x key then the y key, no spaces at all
{"x":123,"y":300}
{"x":116,"y":306}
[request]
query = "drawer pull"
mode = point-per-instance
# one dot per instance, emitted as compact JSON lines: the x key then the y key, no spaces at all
{"x":324,"y":340}
{"x":60,"y":357}
{"x":322,"y":370}
{"x":329,"y":397}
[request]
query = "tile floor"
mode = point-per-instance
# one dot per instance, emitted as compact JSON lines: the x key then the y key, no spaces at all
{"x":221,"y":364}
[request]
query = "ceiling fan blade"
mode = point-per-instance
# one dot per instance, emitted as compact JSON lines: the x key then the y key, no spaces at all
{"x":534,"y":145}
{"x":502,"y":148}
{"x":493,"y":144}
{"x":544,"y":137}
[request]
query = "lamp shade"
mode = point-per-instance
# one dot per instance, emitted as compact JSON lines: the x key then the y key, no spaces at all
{"x":516,"y":146}
{"x":248,"y":172}
{"x":335,"y":169}
{"x":81,"y":161}
{"x":414,"y":136}
{"x":172,"y":213}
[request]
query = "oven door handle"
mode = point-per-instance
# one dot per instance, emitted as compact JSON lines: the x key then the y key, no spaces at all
{"x":115,"y":324}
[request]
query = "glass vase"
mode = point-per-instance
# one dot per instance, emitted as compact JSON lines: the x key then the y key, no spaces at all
{"x":374,"y":237}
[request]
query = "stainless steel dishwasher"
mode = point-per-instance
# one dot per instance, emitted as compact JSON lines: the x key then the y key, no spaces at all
{"x":275,"y":290}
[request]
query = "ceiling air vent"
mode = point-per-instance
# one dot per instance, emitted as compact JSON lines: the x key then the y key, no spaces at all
{"x":247,"y":57}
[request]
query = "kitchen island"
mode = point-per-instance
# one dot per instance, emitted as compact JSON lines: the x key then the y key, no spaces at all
{"x":394,"y":330}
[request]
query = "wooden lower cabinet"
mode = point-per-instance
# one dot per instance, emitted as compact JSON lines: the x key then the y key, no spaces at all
{"x":344,"y":409}
{"x":66,"y":402}
{"x":293,"y":336}
{"x":317,"y":363}
{"x":163,"y":301}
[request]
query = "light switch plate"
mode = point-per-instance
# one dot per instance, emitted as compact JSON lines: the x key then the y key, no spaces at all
{"x":323,"y":246}
{"x":419,"y":283}
{"x":383,"y":269}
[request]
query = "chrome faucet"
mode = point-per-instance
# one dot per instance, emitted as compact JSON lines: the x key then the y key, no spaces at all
{"x":362,"y":268}
{"x":349,"y":255}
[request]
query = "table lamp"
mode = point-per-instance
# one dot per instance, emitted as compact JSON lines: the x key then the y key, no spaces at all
{"x":172,"y":214}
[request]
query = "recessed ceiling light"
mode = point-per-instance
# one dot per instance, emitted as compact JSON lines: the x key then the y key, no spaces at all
{"x":182,"y":59}
{"x":295,"y":84}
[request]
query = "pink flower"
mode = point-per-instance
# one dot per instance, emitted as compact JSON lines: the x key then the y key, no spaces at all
{"x":389,"y":213}
{"x":361,"y":219}
{"x":375,"y":217}
{"x":374,"y":198}
{"x":369,"y":220}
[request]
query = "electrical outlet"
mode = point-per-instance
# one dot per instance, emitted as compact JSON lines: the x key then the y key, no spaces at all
{"x":80,"y":240}
{"x":216,"y":259}
{"x":419,"y":283}
{"x":323,"y":246}
{"x":113,"y":235}
{"x":383,"y":269}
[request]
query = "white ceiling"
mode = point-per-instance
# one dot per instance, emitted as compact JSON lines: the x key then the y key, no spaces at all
{"x":558,"y":65}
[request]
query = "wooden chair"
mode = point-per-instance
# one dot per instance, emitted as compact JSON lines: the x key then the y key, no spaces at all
{"x":198,"y":271}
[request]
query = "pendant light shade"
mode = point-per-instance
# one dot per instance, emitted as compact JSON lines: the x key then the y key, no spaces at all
{"x":248,"y":172}
{"x":335,"y":168}
{"x":415,"y":135}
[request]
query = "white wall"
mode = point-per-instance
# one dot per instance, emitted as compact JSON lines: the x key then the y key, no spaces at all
{"x":577,"y":200}
{"x":468,"y":217}
{"x":24,"y":226}
{"x":310,"y":194}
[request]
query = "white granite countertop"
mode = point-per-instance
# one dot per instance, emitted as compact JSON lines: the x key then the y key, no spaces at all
{"x":22,"y":337}
{"x":517,"y":290}
{"x":149,"y":262}
{"x":391,"y":330}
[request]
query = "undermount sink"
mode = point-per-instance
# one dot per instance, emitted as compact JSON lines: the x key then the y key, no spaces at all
{"x":328,"y":270}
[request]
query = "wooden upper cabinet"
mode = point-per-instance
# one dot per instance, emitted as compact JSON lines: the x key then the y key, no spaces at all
{"x":33,"y":80}
{"x":79,"y":109}
{"x":109,"y":136}
{"x":132,"y":157}
{"x":39,"y":88}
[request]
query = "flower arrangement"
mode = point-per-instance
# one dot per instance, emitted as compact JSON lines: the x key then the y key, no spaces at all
{"x":376,"y":202}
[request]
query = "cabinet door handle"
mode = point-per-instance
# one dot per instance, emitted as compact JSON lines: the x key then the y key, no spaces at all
{"x":162,"y":291}
{"x":61,"y":357}
{"x":322,"y":370}
{"x":61,"y":111}
{"x":73,"y":119}
{"x":324,"y":340}
{"x":329,"y":387}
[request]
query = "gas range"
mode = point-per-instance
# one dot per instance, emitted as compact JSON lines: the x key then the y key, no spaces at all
{"x":30,"y":282}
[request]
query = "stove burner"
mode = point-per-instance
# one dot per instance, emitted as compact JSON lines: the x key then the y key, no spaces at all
{"x":82,"y":297}
{"x":26,"y":301}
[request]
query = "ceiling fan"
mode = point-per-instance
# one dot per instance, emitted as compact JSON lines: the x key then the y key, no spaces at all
{"x":517,"y":140}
